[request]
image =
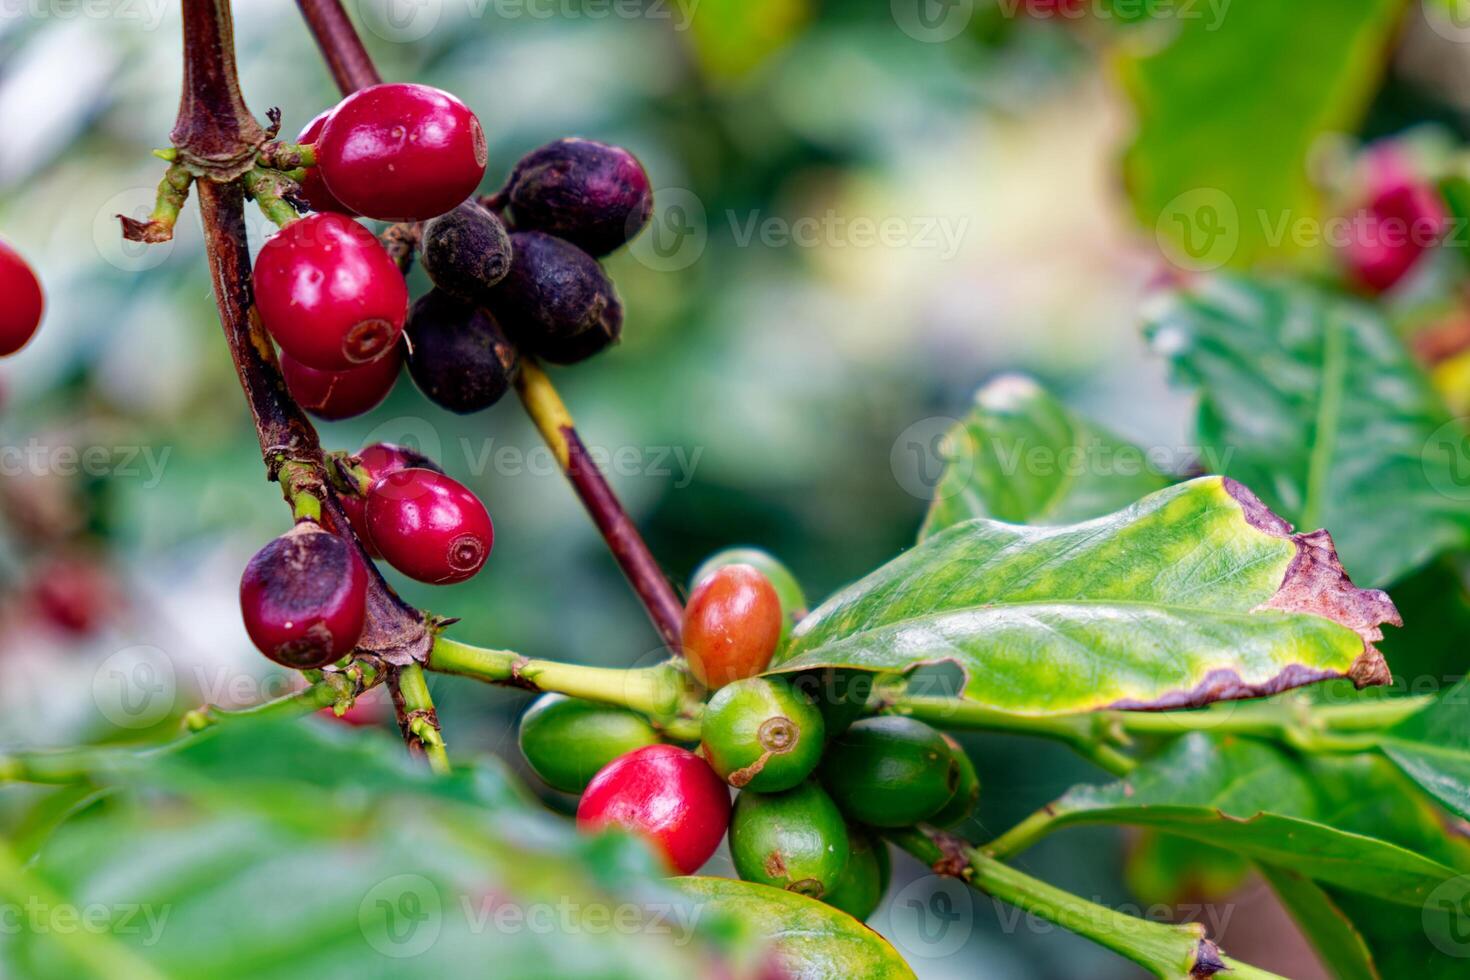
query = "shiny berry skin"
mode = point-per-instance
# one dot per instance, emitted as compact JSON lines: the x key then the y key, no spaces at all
{"x":761,"y":734}
{"x":401,"y":152}
{"x":333,"y":395}
{"x":304,"y":598}
{"x":329,"y":294}
{"x":732,"y":625}
{"x":458,"y":355}
{"x":429,"y":526}
{"x":378,"y":460}
{"x":665,"y":794}
{"x":591,"y":194}
{"x":23,"y":303}
{"x":796,"y":840}
{"x":555,"y":293}
{"x":566,"y":741}
{"x":313,"y":188}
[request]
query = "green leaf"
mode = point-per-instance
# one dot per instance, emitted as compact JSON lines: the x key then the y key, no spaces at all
{"x":1023,"y":457}
{"x":1309,"y":399}
{"x":1229,"y":111}
{"x":283,"y":850}
{"x":811,"y":939}
{"x":1433,"y":748}
{"x":1163,"y":869}
{"x":1249,"y":797}
{"x":1195,"y":594}
{"x":1360,"y":935}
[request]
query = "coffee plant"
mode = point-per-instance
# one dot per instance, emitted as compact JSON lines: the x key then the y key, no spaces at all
{"x":1219,"y":667}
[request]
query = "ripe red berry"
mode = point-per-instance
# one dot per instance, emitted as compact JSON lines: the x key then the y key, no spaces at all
{"x":313,"y":188}
{"x":333,"y":395}
{"x":21,"y":307}
{"x":1402,"y":220}
{"x":429,"y":526}
{"x":329,"y":294}
{"x":379,"y":459}
{"x":731,"y":625}
{"x":665,"y":794}
{"x":401,"y":152}
{"x":74,"y":593}
{"x":593,"y":195}
{"x":304,"y":598}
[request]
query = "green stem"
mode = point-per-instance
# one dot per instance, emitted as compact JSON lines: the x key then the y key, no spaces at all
{"x":269,"y":188}
{"x":418,"y":717}
{"x":337,"y":688}
{"x":301,"y":485}
{"x":1172,"y":952}
{"x":173,"y":191}
{"x":1294,"y":721}
{"x":103,"y":956}
{"x":663,"y":692}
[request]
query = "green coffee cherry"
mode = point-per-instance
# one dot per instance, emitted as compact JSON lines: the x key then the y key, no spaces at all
{"x":793,"y":600}
{"x":566,"y":740}
{"x":795,"y":840}
{"x":890,"y":771}
{"x":962,"y":804}
{"x":761,"y":734}
{"x":862,"y":884}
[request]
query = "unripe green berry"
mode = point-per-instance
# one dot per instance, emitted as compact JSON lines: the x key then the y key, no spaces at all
{"x":795,"y":840}
{"x":860,"y":888}
{"x":890,"y":771}
{"x":567,"y":740}
{"x":962,"y":804}
{"x":762,"y":735}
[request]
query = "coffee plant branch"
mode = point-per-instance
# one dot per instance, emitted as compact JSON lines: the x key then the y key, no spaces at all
{"x":352,"y":68}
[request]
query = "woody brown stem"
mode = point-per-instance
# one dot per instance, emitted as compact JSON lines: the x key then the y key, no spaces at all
{"x":352,"y":68}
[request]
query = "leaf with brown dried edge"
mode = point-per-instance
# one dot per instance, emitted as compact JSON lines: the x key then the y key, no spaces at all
{"x":1197,"y":593}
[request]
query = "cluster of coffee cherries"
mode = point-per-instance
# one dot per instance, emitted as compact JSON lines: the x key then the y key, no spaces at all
{"x":304,"y":595}
{"x":21,"y":301}
{"x":1397,"y":218}
{"x":517,"y":272}
{"x":817,"y":782}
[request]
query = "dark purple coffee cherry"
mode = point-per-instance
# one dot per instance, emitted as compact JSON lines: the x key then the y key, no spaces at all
{"x":458,"y":355}
{"x":593,"y":195}
{"x":304,"y":598}
{"x":466,"y":252}
{"x":554,"y":293}
{"x":584,"y":345}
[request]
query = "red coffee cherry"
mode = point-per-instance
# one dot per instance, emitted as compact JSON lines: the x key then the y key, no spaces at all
{"x":663,"y":793}
{"x":731,"y":625}
{"x":428,"y":526}
{"x":379,"y":459}
{"x":313,"y":188}
{"x":1402,"y":220}
{"x":20,"y":310}
{"x":304,"y":598}
{"x":329,"y":294}
{"x":75,"y":593}
{"x":333,"y":395}
{"x":401,"y":152}
{"x":593,"y":195}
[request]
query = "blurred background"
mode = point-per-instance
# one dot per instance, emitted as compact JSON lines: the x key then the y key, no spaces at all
{"x":864,"y":212}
